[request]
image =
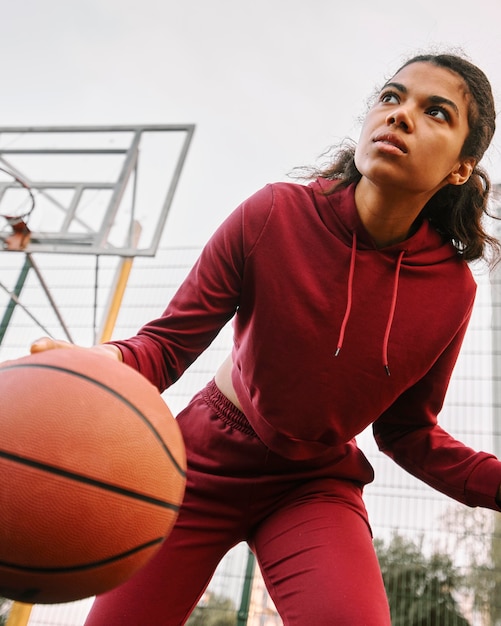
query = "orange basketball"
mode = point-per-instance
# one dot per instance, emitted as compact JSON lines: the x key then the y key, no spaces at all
{"x":92,"y":474}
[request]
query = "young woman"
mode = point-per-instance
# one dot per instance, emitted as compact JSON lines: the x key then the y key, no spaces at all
{"x":350,"y":297}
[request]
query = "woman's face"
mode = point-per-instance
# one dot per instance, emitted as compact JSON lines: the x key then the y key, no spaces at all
{"x":412,"y":136}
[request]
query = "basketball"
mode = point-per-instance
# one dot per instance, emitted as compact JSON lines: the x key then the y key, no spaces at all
{"x":92,"y":474}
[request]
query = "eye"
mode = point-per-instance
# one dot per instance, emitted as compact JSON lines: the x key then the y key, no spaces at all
{"x":389,"y":97}
{"x":439,"y":112}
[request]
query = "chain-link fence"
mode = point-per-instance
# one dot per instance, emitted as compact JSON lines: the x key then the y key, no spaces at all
{"x":441,"y":561}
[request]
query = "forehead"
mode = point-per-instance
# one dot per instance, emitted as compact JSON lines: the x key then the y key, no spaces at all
{"x":431,"y":80}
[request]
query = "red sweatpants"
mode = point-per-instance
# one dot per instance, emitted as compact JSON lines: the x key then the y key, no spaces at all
{"x":308,"y":529}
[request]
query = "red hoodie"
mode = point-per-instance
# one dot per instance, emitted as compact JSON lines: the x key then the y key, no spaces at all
{"x":330,"y":335}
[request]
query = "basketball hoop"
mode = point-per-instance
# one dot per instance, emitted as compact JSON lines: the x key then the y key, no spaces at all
{"x":18,"y":222}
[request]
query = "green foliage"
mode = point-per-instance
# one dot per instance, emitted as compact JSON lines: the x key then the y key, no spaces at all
{"x":476,"y":535}
{"x":214,"y":611}
{"x":420,"y":589}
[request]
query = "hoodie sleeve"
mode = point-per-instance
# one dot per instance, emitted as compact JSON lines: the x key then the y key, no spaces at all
{"x":408,"y":433}
{"x":206,"y":300}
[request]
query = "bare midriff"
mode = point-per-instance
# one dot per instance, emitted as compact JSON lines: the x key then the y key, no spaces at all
{"x":224,"y":384}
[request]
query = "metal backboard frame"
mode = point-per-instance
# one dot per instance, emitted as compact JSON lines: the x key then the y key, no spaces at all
{"x":89,"y":186}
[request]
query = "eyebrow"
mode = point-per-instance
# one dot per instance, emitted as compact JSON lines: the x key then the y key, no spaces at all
{"x":432,"y":99}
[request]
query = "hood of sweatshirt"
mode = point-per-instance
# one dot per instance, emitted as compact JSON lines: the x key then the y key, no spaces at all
{"x":424,"y":247}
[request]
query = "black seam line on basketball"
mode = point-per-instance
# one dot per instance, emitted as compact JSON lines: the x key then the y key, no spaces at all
{"x":179,"y":469}
{"x":51,"y":469}
{"x":83,"y":566}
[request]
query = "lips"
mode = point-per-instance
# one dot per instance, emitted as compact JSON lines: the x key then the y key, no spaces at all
{"x":392,"y":140}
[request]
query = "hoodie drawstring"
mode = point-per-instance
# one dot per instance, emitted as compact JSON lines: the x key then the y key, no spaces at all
{"x":349,"y":299}
{"x":392,"y":312}
{"x":349,"y":295}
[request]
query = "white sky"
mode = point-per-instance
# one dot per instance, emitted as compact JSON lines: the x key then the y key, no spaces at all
{"x":269,"y":83}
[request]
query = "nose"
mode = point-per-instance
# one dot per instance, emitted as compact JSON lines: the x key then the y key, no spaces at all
{"x":401,"y":117}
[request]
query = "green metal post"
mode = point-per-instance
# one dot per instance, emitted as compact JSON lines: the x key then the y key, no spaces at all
{"x":243,"y":611}
{"x":9,"y":311}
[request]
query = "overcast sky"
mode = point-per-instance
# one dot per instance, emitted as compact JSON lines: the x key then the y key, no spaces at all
{"x":269,"y":83}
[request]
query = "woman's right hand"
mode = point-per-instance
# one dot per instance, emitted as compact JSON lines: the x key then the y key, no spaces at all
{"x":47,"y":343}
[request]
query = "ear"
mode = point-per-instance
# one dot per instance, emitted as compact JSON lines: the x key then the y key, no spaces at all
{"x":462,"y":172}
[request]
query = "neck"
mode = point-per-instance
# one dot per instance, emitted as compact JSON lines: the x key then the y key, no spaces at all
{"x":387,"y":217}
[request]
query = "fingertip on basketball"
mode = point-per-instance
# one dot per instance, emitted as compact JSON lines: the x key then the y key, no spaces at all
{"x":40,"y":345}
{"x":47,"y":343}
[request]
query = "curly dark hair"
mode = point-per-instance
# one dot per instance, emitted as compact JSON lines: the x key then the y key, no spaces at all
{"x":456,"y":211}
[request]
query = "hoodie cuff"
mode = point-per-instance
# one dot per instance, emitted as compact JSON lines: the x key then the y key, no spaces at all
{"x":482,"y":487}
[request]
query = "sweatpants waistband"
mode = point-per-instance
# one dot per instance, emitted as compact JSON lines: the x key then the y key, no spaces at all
{"x":225,"y":409}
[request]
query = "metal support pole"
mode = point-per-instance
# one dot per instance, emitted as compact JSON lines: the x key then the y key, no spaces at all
{"x":9,"y":311}
{"x":243,"y":611}
{"x":118,"y":290}
{"x":495,"y":611}
{"x":49,"y":296}
{"x":19,"y":614}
